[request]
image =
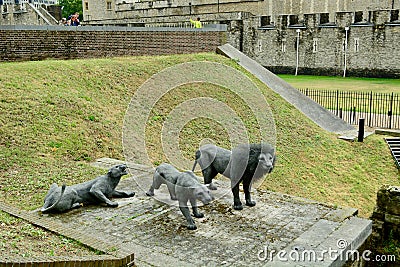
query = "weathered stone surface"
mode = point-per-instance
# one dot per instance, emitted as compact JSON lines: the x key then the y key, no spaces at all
{"x":155,"y":230}
{"x":392,"y":219}
{"x":339,"y":215}
{"x":386,"y":215}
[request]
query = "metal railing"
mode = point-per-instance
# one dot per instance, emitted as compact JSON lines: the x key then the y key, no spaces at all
{"x":378,"y":109}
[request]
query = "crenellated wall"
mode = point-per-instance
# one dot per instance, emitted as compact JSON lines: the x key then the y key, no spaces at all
{"x":372,"y":46}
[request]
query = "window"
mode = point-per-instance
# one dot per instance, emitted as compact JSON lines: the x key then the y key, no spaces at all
{"x":356,"y":44}
{"x":394,"y":15}
{"x":86,"y":6}
{"x":358,"y":16}
{"x":293,"y":20}
{"x":284,"y":20}
{"x":283,"y":46}
{"x":323,"y":18}
{"x":315,"y":45}
{"x":265,"y":21}
{"x":109,"y":6}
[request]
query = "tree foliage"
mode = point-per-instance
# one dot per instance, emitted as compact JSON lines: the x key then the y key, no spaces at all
{"x":70,"y":7}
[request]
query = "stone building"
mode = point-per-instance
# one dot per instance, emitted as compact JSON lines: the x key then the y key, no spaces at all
{"x":29,"y":12}
{"x":175,"y":11}
{"x":339,"y":37}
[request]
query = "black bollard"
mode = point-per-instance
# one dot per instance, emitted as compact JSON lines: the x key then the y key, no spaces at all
{"x":361,"y":123}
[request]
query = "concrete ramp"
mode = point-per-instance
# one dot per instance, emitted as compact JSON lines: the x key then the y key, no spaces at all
{"x":318,"y":114}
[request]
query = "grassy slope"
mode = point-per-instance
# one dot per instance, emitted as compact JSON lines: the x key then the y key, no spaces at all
{"x":56,"y":116}
{"x":344,"y":84}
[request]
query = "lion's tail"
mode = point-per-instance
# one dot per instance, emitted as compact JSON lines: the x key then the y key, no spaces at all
{"x":198,"y":154}
{"x":48,"y":209}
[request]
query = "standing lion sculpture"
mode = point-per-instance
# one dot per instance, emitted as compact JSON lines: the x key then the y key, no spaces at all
{"x":243,"y":164}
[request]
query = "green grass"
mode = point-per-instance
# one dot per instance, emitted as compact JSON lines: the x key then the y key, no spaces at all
{"x":378,"y":85}
{"x":353,"y":92}
{"x":21,"y":239}
{"x":58,"y":116}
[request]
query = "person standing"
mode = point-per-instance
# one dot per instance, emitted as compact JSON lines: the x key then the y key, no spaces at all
{"x":197,"y":23}
{"x":74,"y":19}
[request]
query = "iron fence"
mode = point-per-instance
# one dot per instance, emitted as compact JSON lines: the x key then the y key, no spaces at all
{"x":380,"y":110}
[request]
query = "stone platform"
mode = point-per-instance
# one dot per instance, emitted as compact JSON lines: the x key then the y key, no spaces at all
{"x":156,"y":232}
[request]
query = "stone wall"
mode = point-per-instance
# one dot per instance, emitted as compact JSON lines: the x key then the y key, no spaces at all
{"x":266,"y":30}
{"x":123,"y":11}
{"x":372,"y":47}
{"x":29,"y":14}
{"x":41,"y":42}
{"x":386,"y":216}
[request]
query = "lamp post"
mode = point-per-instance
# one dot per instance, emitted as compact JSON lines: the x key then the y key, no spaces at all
{"x":345,"y":51}
{"x":297,"y":51}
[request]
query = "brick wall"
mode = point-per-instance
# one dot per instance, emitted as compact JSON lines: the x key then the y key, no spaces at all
{"x":21,"y":43}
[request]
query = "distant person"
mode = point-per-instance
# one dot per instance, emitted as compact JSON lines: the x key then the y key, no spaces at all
{"x":74,"y":19}
{"x":63,"y":22}
{"x":197,"y":23}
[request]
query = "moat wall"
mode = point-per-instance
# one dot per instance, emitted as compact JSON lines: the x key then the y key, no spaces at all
{"x":21,"y":43}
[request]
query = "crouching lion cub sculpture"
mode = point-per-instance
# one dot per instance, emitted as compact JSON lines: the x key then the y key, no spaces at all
{"x":183,"y":186}
{"x":96,"y":191}
{"x":164,"y":174}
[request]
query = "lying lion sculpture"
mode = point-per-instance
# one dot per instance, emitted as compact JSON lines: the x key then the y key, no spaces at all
{"x":243,"y":164}
{"x":183,"y":186}
{"x":96,"y":191}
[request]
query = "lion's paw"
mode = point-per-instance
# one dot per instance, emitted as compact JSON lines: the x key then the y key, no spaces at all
{"x":238,"y":207}
{"x":112,"y":204}
{"x":250,"y":203}
{"x":198,"y":215}
{"x":191,"y":227}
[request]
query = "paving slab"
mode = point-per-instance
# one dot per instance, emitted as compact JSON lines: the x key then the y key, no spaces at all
{"x":156,"y":233}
